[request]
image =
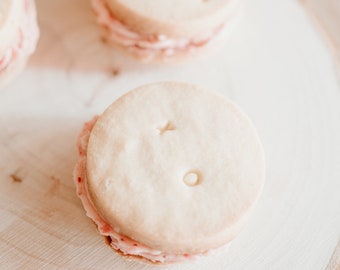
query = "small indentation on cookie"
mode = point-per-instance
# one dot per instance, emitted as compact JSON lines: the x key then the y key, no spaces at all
{"x":191,"y":179}
{"x":108,"y":183}
{"x":168,"y":127}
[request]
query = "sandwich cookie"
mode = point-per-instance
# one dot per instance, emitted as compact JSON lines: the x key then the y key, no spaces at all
{"x":169,"y":172}
{"x":161,"y":30}
{"x":18,"y":36}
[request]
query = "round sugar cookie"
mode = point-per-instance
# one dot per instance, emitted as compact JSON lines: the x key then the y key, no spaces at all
{"x":19,"y":34}
{"x":174,"y":167}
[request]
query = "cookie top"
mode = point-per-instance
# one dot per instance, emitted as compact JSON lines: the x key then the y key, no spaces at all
{"x":175,"y":167}
{"x":171,"y":10}
{"x":175,"y":18}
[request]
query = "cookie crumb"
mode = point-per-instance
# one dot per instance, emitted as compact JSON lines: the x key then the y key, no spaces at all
{"x":115,"y":72}
{"x":104,"y":40}
{"x":56,"y":185}
{"x":15,"y":178}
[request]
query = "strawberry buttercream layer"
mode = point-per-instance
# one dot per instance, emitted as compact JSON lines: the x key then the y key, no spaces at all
{"x":150,"y":46}
{"x":25,"y":40}
{"x":121,"y":243}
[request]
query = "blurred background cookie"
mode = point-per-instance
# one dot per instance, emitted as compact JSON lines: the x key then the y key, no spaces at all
{"x":163,"y":30}
{"x":18,"y":36}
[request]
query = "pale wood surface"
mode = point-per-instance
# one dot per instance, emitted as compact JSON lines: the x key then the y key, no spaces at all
{"x":275,"y":66}
{"x":326,"y":15}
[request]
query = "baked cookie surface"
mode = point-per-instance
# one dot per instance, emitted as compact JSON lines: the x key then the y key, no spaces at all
{"x":175,"y":167}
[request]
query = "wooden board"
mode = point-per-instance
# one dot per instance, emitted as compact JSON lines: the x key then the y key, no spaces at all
{"x":326,"y":16}
{"x":275,"y":66}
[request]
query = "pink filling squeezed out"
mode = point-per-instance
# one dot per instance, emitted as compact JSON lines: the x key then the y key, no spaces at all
{"x":26,"y":39}
{"x":119,"y":242}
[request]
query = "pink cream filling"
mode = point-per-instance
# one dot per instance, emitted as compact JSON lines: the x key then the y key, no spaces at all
{"x":119,"y":242}
{"x":26,"y":39}
{"x":162,"y":44}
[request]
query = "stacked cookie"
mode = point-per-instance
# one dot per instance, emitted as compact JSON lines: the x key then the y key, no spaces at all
{"x":169,"y":172}
{"x":168,"y":29}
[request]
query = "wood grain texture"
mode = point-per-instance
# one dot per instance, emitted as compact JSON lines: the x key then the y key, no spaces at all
{"x":334,"y":263}
{"x":276,"y":68}
{"x":326,"y":16}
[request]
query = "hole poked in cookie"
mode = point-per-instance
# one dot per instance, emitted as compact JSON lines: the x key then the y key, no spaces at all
{"x":191,"y":178}
{"x":169,"y":126}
